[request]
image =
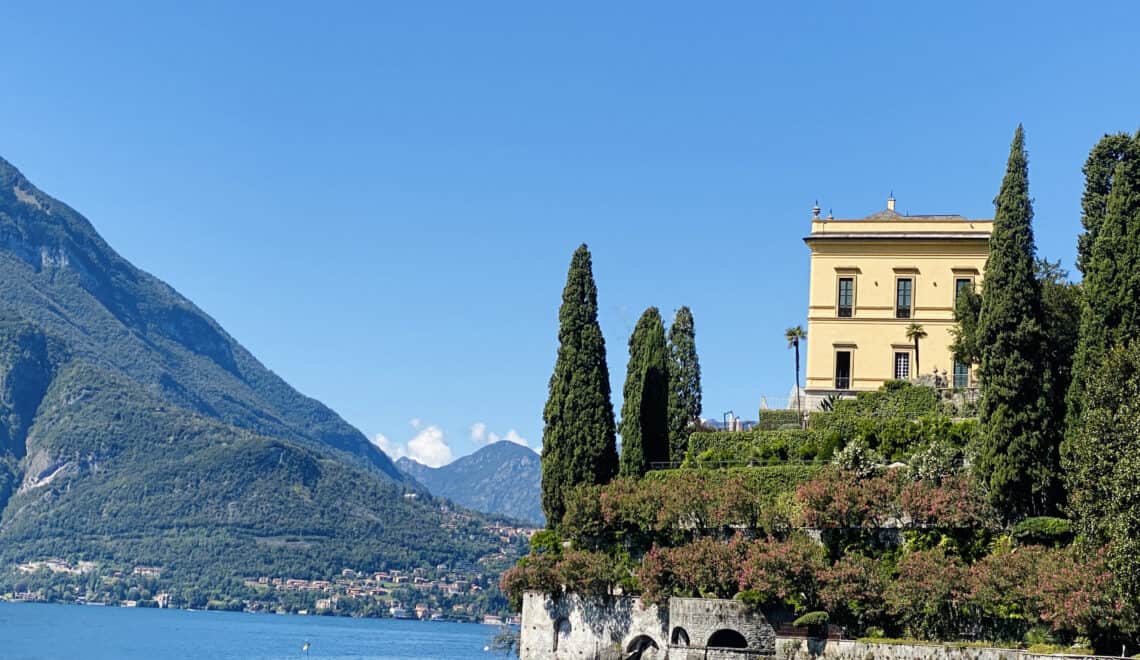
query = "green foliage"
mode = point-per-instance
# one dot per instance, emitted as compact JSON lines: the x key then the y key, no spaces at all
{"x":1099,"y":171}
{"x":1103,"y":461}
{"x":737,"y":448}
{"x":774,"y":420}
{"x":667,"y":507}
{"x":578,"y":440}
{"x":1110,"y":314}
{"x":645,"y":412}
{"x":811,"y":619}
{"x":141,"y":482}
{"x":1043,"y":530}
{"x":1019,"y":449}
{"x":965,"y":331}
{"x":684,"y":383}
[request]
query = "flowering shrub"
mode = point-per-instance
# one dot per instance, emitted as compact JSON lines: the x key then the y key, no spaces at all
{"x":840,"y":500}
{"x":706,"y":567}
{"x":853,"y":590}
{"x":956,"y":502}
{"x":531,"y":573}
{"x":926,"y":598}
{"x":784,"y":572}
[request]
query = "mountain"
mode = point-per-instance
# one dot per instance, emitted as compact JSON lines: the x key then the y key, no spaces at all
{"x":135,"y":431}
{"x":502,"y":478}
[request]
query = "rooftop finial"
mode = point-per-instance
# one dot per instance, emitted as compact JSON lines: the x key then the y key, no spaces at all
{"x":815,"y":211}
{"x":891,"y":201}
{"x":829,"y":215}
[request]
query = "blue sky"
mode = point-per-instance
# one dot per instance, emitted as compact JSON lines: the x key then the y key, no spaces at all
{"x":380,"y":200}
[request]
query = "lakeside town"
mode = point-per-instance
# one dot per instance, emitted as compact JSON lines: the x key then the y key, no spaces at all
{"x":437,"y":593}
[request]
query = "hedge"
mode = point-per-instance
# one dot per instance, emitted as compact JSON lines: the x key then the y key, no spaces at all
{"x":757,"y":447}
{"x":774,"y":420}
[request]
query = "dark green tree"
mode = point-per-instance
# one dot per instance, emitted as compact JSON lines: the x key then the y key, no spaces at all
{"x":1110,"y":314}
{"x":965,"y":331}
{"x":1104,"y":458}
{"x":1018,"y":460}
{"x":645,"y":411}
{"x":684,"y":383}
{"x":578,"y":439}
{"x":1099,"y":170}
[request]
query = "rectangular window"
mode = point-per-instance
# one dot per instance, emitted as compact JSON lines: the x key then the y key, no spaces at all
{"x":904,"y":297}
{"x":843,"y":370}
{"x":902,"y":365}
{"x":846,"y":304}
{"x":961,"y":375}
{"x":960,"y":285}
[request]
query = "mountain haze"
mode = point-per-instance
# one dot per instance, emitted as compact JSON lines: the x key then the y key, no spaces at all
{"x":502,"y":478}
{"x":135,"y":430}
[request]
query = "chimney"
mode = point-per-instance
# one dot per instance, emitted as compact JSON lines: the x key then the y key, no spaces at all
{"x":891,"y":202}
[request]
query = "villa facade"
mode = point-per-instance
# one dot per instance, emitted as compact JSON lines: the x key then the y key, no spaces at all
{"x":873,"y":277}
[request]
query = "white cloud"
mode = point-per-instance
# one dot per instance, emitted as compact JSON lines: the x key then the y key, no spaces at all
{"x":480,"y":435}
{"x":394,"y":450}
{"x":416,"y":422}
{"x":428,"y":447}
{"x":513,"y":436}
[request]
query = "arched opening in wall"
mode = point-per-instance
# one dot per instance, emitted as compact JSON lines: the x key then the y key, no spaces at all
{"x":641,"y":647}
{"x":727,"y":639}
{"x":680,"y":637}
{"x":561,"y":632}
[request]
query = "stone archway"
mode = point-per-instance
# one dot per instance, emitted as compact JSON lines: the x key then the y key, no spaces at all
{"x":727,"y":638}
{"x":679,"y":637}
{"x":642,"y":647}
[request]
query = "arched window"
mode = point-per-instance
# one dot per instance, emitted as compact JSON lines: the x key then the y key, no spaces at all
{"x":679,"y":637}
{"x":727,"y":639}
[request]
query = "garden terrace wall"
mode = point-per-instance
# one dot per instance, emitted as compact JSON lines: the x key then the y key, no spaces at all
{"x":816,"y":649}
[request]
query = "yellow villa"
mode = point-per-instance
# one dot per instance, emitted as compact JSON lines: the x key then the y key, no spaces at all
{"x":873,"y":277}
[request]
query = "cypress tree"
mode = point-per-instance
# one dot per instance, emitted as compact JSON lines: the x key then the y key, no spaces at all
{"x":1111,"y":311}
{"x":1018,"y":456}
{"x":1103,"y":461}
{"x":684,"y":383}
{"x":1098,"y":170}
{"x":644,"y":413}
{"x":578,"y":443}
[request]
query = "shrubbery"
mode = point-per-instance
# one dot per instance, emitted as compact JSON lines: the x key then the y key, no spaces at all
{"x":757,"y":447}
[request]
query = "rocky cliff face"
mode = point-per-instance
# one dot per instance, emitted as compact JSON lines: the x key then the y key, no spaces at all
{"x":503,"y":478}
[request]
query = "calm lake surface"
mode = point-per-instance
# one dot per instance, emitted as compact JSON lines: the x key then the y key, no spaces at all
{"x":56,"y":632}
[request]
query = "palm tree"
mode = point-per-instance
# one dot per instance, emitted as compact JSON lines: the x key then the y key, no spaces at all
{"x":914,"y":332}
{"x":794,"y":335}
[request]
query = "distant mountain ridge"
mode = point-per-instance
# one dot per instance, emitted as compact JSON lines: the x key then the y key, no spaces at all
{"x":502,"y":478}
{"x":135,"y":430}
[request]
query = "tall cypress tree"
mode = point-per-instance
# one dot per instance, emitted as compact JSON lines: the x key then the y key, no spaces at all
{"x":644,"y":413}
{"x":684,"y":383}
{"x":1110,"y":314}
{"x":1018,"y":458}
{"x":578,"y":442}
{"x":1098,"y":170}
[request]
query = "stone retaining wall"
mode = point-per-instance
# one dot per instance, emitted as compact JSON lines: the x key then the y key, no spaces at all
{"x":802,"y":649}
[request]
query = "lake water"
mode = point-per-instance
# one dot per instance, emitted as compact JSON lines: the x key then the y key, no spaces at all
{"x":69,"y":632}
